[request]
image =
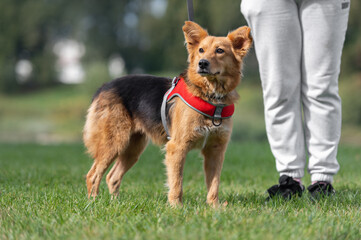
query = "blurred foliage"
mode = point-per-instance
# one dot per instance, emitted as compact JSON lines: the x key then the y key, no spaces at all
{"x":351,"y":59}
{"x":96,"y":76}
{"x":148,"y":39}
{"x":351,"y":101}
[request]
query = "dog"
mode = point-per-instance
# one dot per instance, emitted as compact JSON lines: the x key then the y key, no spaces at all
{"x":125,"y":113}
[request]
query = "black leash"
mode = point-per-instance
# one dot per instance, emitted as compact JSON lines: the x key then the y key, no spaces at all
{"x":190,"y":10}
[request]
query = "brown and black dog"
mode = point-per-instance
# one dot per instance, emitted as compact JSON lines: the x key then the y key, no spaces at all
{"x":125,"y":113}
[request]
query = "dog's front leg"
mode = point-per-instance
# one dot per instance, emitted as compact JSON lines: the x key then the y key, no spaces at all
{"x":213,"y":161}
{"x":174,"y":161}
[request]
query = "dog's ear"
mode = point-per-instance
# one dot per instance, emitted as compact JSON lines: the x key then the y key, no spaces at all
{"x":193,"y":34}
{"x":241,"y":40}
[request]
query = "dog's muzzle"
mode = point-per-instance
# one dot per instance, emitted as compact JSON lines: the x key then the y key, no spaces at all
{"x":203,"y":66}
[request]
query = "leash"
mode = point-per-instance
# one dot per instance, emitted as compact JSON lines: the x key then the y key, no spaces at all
{"x":163,"y":109}
{"x":190,"y":10}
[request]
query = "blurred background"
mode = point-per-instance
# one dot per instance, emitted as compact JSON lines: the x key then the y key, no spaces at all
{"x":54,"y":54}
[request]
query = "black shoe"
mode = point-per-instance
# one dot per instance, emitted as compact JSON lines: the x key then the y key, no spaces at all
{"x":321,"y":189}
{"x":286,"y":188}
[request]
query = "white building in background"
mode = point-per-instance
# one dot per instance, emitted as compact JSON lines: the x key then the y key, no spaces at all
{"x":116,"y":66}
{"x":23,"y":70}
{"x":68,"y":64}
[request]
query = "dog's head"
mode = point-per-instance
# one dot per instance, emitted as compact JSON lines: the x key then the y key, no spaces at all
{"x":216,"y":61}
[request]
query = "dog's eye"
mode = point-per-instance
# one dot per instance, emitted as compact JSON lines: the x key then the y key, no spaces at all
{"x":201,"y":50}
{"x":219,"y":50}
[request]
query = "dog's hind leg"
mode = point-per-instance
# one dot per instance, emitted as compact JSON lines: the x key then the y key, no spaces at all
{"x":107,"y":153}
{"x":107,"y":134}
{"x":96,"y":173}
{"x":125,"y":161}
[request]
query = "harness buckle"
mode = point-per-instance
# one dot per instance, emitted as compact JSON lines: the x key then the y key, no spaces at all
{"x":217,"y":124}
{"x":218,"y":115}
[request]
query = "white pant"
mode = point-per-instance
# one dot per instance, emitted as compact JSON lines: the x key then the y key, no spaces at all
{"x":298,"y":45}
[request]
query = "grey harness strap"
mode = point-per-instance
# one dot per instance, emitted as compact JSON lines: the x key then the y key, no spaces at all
{"x":163,"y":109}
{"x":217,"y":116}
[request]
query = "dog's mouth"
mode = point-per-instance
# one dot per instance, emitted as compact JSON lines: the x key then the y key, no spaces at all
{"x":205,"y":73}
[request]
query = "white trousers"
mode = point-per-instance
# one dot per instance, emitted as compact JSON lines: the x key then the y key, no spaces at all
{"x":298,"y":45}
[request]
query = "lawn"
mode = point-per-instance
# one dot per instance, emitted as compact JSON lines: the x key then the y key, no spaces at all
{"x":43,"y":193}
{"x":43,"y":196}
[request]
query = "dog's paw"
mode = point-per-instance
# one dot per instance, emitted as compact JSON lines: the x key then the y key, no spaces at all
{"x":176,"y":203}
{"x":114,"y":197}
{"x":214,"y":203}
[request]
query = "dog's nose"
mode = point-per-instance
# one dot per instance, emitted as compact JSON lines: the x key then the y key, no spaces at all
{"x":203,"y":64}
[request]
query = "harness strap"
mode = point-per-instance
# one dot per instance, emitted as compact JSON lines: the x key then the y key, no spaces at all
{"x":163,"y":109}
{"x":216,"y":112}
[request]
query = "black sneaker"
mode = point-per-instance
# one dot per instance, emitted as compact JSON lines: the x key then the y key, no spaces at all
{"x":320,"y":189}
{"x":287,"y":188}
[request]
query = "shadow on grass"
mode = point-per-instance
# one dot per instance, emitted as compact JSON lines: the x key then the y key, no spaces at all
{"x":345,"y":196}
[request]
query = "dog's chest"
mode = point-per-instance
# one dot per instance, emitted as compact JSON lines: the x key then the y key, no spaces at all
{"x":207,"y":132}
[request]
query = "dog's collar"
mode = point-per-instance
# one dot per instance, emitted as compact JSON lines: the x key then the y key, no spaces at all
{"x":214,"y":111}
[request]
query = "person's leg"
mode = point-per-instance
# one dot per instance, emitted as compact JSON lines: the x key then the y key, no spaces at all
{"x":277,"y":36}
{"x":324,"y":25}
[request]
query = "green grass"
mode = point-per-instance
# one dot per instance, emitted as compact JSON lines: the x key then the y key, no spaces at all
{"x":43,"y":196}
{"x":51,"y":115}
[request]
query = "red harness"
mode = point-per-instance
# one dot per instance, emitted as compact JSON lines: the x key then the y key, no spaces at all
{"x":210,"y":110}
